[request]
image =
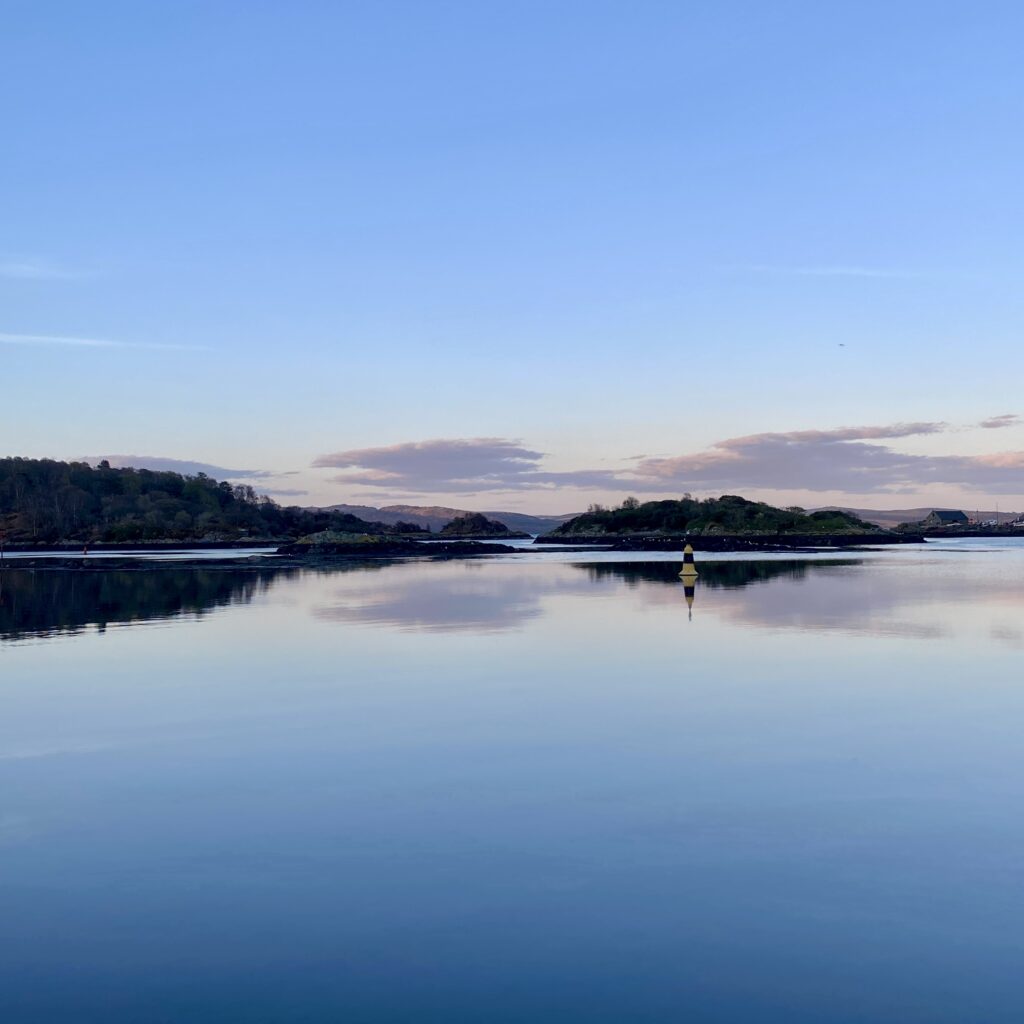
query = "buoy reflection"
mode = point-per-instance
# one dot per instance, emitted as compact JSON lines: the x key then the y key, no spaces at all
{"x":689,"y":587}
{"x":689,"y":577}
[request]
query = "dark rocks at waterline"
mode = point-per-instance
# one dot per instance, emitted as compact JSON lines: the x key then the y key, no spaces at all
{"x":394,"y":549}
{"x":89,"y":565}
{"x":1016,"y":532}
{"x":489,"y":537}
{"x":288,"y":556}
{"x":745,"y":542}
{"x":165,"y":544}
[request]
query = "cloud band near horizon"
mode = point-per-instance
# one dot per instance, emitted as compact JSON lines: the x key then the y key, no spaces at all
{"x":854,"y":460}
{"x":186,"y":467}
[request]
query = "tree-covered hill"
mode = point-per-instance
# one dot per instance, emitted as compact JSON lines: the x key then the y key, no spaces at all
{"x":475,"y":524}
{"x":44,"y":502}
{"x":729,"y":514}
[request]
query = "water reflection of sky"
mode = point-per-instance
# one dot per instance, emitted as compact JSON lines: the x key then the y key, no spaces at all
{"x":906,"y":593}
{"x":470,"y":596}
{"x":519,"y":791}
{"x":894,"y":598}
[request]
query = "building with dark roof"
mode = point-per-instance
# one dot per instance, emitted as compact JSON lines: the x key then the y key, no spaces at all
{"x":945,"y":517}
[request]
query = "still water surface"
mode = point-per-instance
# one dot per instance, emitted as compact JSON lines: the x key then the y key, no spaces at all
{"x":516,"y":790}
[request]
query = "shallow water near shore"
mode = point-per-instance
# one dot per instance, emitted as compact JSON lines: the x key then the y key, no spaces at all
{"x":541,"y":787}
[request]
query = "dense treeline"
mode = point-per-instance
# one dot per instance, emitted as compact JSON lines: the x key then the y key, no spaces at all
{"x":44,"y":502}
{"x":729,"y":514}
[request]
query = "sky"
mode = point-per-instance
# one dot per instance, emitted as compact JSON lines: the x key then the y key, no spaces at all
{"x":525,"y":256}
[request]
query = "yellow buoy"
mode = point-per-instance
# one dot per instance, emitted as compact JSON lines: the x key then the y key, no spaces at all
{"x":689,"y":569}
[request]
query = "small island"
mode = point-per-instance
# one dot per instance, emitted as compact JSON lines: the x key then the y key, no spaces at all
{"x":718,"y":524}
{"x":45,"y":504}
{"x":476,"y":526}
{"x":329,"y":545}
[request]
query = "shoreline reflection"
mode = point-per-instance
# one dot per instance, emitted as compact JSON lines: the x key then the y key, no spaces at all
{"x":51,"y":603}
{"x":854,"y":595}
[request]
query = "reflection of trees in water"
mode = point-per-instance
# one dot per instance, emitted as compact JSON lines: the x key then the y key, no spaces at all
{"x":34,"y":603}
{"x":712,"y":574}
{"x":39,"y":602}
{"x":52,"y":601}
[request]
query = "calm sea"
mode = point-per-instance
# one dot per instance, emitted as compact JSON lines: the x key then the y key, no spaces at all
{"x":541,"y":788}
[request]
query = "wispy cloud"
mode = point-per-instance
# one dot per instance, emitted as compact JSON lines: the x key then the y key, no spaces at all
{"x":35,"y":270}
{"x":442,"y":464}
{"x":77,"y":342}
{"x":851,"y":460}
{"x":847,"y":459}
{"x":186,"y":467}
{"x":996,"y":422}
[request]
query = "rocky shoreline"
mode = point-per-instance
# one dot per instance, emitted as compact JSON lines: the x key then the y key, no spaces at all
{"x":296,"y":555}
{"x":288,"y":556}
{"x":734,"y":542}
{"x":395,"y":549}
{"x":73,"y":547}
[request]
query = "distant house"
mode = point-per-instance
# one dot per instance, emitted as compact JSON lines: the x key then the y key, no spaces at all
{"x":945,"y":517}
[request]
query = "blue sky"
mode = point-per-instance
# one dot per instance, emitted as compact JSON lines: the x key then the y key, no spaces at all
{"x":376,"y":252}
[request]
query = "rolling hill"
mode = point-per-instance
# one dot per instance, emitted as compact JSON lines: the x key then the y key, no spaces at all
{"x":891,"y":518}
{"x":437,"y":516}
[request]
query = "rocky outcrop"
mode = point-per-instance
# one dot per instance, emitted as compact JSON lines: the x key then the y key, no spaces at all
{"x":476,"y":525}
{"x":391,"y":548}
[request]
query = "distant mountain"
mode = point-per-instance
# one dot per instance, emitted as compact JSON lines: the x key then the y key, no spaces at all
{"x":437,"y":516}
{"x":891,"y":518}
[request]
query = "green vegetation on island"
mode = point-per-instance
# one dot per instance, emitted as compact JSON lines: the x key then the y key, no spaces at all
{"x":46,"y":502}
{"x":728,"y":515}
{"x":43,"y":501}
{"x":476,"y":524}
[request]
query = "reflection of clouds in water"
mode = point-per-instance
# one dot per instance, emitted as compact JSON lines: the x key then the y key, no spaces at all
{"x":452,"y":596}
{"x":791,"y":593}
{"x":890,"y":601}
{"x":1008,"y":635}
{"x":859,"y":597}
{"x":915,"y":599}
{"x":848,"y":595}
{"x":854,"y":600}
